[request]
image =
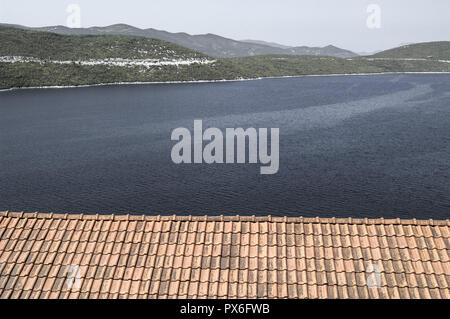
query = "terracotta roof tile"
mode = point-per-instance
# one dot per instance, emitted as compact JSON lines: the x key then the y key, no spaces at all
{"x":222,"y":257}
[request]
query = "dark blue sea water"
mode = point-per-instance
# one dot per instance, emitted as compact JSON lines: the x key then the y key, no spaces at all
{"x":361,"y":146}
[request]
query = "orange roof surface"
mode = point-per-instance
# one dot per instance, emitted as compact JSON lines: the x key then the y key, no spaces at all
{"x":112,"y":256}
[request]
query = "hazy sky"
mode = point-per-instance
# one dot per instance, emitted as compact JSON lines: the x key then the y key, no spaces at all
{"x":292,"y":22}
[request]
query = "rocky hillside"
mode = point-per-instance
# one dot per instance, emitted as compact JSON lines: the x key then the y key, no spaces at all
{"x":35,"y":59}
{"x":54,"y":47}
{"x":209,"y":44}
{"x":427,"y":50}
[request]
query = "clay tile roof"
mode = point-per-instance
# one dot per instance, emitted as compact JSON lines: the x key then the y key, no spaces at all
{"x":126,"y":256}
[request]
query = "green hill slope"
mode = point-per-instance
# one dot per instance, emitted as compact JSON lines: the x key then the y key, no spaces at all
{"x":46,"y":45}
{"x":427,"y":50}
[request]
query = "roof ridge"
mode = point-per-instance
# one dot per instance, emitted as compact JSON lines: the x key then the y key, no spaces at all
{"x":235,"y":218}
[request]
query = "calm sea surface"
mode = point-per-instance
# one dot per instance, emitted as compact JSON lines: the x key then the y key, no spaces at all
{"x":361,"y":146}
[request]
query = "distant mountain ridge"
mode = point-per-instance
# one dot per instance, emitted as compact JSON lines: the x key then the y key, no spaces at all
{"x":270,"y":44}
{"x":329,"y":50}
{"x":210,"y":44}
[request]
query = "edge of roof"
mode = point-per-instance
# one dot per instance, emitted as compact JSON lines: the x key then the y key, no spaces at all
{"x":237,"y":218}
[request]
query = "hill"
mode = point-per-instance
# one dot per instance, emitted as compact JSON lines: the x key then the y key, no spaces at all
{"x":270,"y":44}
{"x":52,"y":46}
{"x":34,"y":59}
{"x":329,"y":50}
{"x":427,"y":50}
{"x":209,"y":44}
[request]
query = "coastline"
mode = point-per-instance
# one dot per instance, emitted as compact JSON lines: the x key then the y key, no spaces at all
{"x":210,"y":81}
